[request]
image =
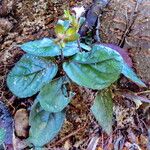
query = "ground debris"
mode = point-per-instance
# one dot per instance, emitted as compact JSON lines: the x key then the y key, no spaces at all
{"x":6,"y":122}
{"x":21,"y":124}
{"x":30,"y":20}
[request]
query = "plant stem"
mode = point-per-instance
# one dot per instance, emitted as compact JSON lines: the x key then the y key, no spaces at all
{"x":97,"y":29}
{"x":79,"y":45}
{"x":62,"y":55}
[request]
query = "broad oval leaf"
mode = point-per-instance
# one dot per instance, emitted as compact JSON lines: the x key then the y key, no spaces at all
{"x":102,"y":109}
{"x":130,"y":74}
{"x":98,"y":53}
{"x":30,"y":74}
{"x":46,"y":47}
{"x":70,"y":48}
{"x":44,"y":125}
{"x":53,"y":97}
{"x":97,"y":69}
{"x":43,"y":47}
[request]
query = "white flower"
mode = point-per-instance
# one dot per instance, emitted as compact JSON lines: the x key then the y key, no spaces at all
{"x":79,"y":11}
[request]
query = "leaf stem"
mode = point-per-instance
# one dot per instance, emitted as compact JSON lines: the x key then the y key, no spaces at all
{"x":62,"y":55}
{"x":79,"y":45}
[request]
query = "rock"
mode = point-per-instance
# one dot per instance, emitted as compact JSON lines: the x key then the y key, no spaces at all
{"x":21,"y":120}
{"x":127,"y":24}
{"x":126,"y":17}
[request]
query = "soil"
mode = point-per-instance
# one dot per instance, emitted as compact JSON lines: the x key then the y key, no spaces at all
{"x":124,"y":23}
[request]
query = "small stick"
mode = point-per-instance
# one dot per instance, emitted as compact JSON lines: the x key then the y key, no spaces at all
{"x":143,"y":92}
{"x":97,"y":29}
{"x":68,"y":136}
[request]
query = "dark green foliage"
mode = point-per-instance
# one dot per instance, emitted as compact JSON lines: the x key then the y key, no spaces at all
{"x":30,"y":74}
{"x":92,"y":66}
{"x":47,"y":47}
{"x":43,"y":47}
{"x":130,"y":74}
{"x":54,"y":97}
{"x":103,"y":110}
{"x":44,"y":125}
{"x":97,"y":69}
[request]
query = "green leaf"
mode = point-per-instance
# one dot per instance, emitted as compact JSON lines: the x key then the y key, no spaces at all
{"x":70,"y":48}
{"x":129,"y":73}
{"x":2,"y":135}
{"x":99,"y":53}
{"x":59,"y":29}
{"x":43,"y":47}
{"x":81,"y":20}
{"x":72,"y":38}
{"x":97,"y":69}
{"x":70,"y":31}
{"x":67,"y":15}
{"x":53,"y":97}
{"x":46,"y":47}
{"x":44,"y":125}
{"x":30,"y":74}
{"x":85,"y":47}
{"x":64,"y":23}
{"x":103,"y":110}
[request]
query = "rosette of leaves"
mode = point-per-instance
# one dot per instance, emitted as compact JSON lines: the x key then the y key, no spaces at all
{"x":37,"y":72}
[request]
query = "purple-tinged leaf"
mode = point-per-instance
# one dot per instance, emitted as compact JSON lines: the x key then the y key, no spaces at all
{"x":122,"y":52}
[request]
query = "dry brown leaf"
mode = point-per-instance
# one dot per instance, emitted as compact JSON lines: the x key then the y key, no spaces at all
{"x":21,"y":123}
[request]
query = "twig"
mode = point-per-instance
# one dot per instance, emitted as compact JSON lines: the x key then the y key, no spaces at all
{"x":68,"y":136}
{"x":12,"y":99}
{"x":132,"y":96}
{"x":138,"y":119}
{"x":130,"y":23}
{"x":97,"y":29}
{"x":143,"y":92}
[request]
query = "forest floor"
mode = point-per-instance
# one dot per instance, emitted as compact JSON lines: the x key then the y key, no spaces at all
{"x":123,"y":23}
